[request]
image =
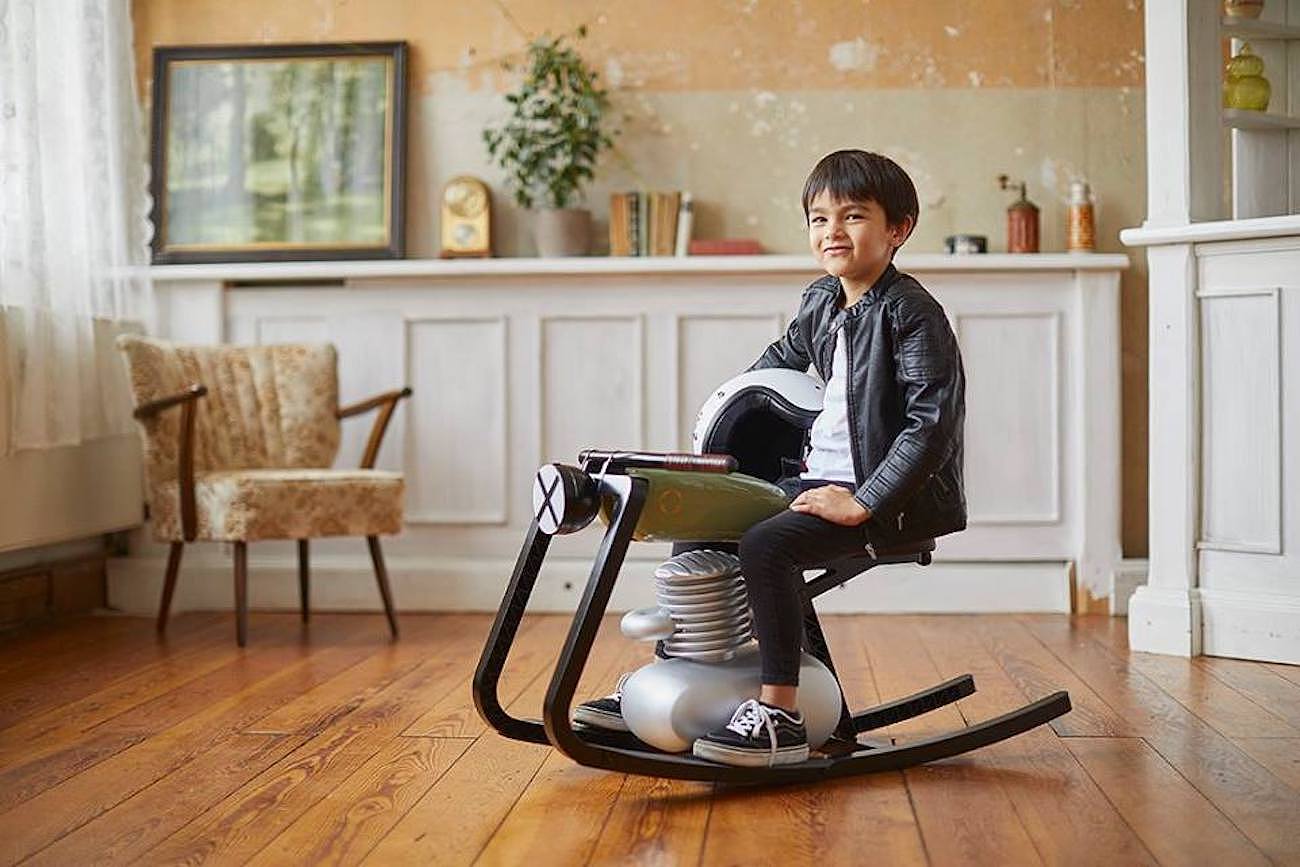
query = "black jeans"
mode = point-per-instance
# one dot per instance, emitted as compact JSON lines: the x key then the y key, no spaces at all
{"x":773,"y":554}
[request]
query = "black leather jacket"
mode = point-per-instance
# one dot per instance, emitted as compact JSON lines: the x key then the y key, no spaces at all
{"x":906,"y":399}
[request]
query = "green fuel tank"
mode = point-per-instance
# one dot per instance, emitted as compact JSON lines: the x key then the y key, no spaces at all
{"x":701,"y":507}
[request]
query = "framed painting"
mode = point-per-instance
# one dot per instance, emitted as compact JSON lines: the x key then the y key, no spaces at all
{"x":278,"y":152}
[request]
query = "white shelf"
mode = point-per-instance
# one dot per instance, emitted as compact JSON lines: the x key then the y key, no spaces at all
{"x":606,"y":265}
{"x":1215,"y":230}
{"x":1240,"y":119}
{"x":1253,"y":28}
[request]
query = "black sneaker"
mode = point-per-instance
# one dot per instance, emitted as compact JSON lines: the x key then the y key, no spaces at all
{"x":604,"y":713}
{"x":759,"y":735}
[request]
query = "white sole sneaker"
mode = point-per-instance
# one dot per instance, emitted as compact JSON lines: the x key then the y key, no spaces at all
{"x":750,"y":758}
{"x":599,"y":719}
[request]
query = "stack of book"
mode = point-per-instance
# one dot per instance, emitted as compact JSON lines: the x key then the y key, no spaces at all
{"x":649,"y":224}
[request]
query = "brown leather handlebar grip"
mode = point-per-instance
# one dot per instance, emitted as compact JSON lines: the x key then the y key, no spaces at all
{"x":595,"y":459}
{"x":699,"y":463}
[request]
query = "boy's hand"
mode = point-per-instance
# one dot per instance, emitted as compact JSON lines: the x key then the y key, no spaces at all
{"x":832,"y":503}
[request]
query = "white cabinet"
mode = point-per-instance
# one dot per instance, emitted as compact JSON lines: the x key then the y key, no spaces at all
{"x":519,"y":362}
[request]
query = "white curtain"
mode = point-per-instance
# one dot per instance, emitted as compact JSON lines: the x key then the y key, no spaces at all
{"x":74,"y":224}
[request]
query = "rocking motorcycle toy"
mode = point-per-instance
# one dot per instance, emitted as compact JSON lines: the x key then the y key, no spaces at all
{"x":745,"y":438}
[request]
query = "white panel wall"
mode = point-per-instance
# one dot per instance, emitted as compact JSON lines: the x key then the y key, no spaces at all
{"x":512,"y":368}
{"x":1012,"y":408}
{"x":1241,"y":424}
{"x":591,"y":381}
{"x":711,"y":350}
{"x":457,"y":460}
{"x":1225,"y":576}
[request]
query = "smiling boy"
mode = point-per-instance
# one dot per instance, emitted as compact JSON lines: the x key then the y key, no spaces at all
{"x":885,"y":464}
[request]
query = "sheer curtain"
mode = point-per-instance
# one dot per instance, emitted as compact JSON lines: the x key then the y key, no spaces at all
{"x":73,"y":219}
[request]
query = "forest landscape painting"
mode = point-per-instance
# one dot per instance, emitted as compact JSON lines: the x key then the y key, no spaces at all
{"x":278,"y":152}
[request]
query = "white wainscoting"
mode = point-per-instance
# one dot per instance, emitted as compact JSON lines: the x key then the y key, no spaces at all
{"x":1225,"y":392}
{"x":519,"y":362}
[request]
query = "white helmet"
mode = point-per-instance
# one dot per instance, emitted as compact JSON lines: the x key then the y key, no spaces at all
{"x":761,"y":417}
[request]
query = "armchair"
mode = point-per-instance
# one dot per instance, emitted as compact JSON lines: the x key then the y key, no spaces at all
{"x":239,"y":441}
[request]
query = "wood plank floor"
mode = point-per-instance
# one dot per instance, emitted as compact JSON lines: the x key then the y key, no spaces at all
{"x":330,"y":745}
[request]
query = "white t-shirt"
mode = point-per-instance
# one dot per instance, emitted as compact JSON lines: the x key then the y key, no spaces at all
{"x":831,"y":457}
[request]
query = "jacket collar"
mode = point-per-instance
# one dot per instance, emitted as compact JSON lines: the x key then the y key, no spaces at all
{"x":872,"y":295}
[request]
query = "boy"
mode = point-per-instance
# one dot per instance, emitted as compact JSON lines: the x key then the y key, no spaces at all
{"x":885,"y":466}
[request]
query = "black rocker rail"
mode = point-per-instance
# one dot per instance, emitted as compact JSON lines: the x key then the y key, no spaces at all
{"x":619,"y":486}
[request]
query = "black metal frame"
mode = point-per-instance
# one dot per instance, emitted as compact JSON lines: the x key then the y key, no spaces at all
{"x":622,"y":752}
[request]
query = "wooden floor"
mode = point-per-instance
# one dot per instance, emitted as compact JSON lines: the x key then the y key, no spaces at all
{"x":331,"y":745}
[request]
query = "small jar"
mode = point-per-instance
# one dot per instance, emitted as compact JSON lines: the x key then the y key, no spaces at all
{"x":1081,"y":231}
{"x":1244,"y":84}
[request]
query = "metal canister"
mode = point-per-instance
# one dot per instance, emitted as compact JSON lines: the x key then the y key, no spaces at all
{"x":1081,"y":233}
{"x":1022,"y":225}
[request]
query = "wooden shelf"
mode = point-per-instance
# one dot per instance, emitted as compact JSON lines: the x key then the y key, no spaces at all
{"x":1253,"y":28}
{"x":1240,"y":119}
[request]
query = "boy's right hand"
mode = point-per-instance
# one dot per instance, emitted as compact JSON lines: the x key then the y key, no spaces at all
{"x":831,"y":503}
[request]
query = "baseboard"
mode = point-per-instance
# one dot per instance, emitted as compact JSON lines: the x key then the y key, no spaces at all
{"x":1124,"y":582}
{"x":346,"y":582}
{"x":1165,"y":620}
{"x":41,"y":591}
{"x":1250,"y":626}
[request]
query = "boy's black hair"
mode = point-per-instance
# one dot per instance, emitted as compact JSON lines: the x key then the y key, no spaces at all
{"x":861,"y":176}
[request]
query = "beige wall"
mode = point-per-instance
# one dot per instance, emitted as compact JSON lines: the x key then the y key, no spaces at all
{"x":736,"y":99}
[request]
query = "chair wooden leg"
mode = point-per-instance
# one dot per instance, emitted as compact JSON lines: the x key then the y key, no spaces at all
{"x":304,"y":579}
{"x":241,"y":593}
{"x":381,"y":575}
{"x":169,"y":584}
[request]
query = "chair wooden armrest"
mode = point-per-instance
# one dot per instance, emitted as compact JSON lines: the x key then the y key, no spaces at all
{"x":386,"y":403}
{"x":185,"y":453}
{"x":153,"y":407}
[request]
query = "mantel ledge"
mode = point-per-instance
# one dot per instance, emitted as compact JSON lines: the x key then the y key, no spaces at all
{"x":1216,"y":230}
{"x":607,"y":265}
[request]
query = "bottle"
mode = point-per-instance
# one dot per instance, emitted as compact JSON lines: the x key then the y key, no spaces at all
{"x":1022,"y":220}
{"x":1081,"y":233}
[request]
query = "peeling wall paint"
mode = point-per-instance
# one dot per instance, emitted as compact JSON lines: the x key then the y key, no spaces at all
{"x":722,"y":44}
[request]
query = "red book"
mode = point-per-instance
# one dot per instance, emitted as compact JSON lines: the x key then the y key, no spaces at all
{"x":724,"y":247}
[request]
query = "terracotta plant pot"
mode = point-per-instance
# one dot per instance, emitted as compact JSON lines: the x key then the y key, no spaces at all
{"x":562,"y":232}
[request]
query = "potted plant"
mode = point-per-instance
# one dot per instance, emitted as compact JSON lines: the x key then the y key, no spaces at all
{"x":549,"y":144}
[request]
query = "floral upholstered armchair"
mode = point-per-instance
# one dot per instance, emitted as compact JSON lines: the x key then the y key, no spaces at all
{"x":238,"y":445}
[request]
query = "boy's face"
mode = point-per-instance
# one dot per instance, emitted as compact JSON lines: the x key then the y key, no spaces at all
{"x":852,"y":239}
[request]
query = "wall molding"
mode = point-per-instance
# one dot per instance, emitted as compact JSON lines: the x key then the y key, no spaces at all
{"x":1052,"y":516}
{"x":1272,"y":544}
{"x":498,"y":515}
{"x":637,"y":399}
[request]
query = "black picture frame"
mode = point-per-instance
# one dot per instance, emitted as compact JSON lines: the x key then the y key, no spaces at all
{"x":237,"y":205}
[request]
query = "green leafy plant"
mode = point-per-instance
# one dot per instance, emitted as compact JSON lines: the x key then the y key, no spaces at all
{"x":549,"y":144}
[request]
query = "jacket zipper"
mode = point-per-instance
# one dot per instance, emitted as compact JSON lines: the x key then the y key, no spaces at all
{"x":847,"y":336}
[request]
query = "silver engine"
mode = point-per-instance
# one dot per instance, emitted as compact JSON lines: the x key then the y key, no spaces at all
{"x":703,"y":620}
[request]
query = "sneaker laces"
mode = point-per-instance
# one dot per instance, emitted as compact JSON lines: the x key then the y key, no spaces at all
{"x":751,"y":717}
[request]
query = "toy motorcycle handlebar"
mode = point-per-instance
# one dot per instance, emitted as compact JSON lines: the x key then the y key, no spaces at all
{"x":616,"y":461}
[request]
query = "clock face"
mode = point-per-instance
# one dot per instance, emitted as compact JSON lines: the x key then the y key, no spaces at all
{"x":465,"y":199}
{"x":465,"y":234}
